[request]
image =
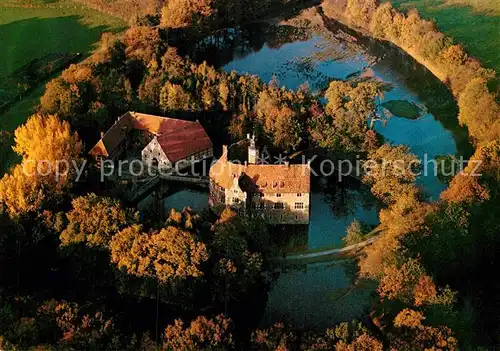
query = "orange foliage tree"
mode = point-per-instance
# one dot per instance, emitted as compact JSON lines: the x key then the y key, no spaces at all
{"x":201,"y":334}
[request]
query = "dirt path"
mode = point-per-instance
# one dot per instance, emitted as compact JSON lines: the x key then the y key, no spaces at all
{"x":341,"y":251}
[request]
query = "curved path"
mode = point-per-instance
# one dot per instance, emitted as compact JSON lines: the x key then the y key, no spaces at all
{"x":340,"y":251}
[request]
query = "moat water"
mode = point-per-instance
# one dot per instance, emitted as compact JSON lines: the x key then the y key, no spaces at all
{"x":320,"y":295}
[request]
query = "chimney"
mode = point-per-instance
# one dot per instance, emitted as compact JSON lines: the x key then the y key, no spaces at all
{"x":224,"y":150}
{"x":287,"y":163}
{"x":102,"y":135}
{"x":253,"y":152}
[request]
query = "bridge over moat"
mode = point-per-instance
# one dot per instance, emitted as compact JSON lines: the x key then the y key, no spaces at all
{"x":142,"y":188}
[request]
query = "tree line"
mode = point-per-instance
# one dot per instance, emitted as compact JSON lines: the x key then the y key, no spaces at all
{"x":99,"y":248}
{"x":448,"y":239}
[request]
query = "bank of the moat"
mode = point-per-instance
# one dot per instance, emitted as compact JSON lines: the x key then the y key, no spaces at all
{"x":321,"y":294}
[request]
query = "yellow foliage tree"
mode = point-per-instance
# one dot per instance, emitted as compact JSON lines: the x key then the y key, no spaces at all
{"x":45,"y":141}
{"x":184,"y":13}
{"x":50,"y":154}
{"x":20,"y":192}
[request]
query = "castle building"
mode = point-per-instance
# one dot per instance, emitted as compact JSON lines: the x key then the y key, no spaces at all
{"x":277,"y":193}
{"x":168,"y":142}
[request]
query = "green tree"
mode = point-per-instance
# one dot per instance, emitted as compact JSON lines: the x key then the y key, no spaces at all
{"x":355,"y":233}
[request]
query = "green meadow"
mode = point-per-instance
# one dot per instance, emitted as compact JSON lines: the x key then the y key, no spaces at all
{"x":33,"y":30}
{"x":476,"y":30}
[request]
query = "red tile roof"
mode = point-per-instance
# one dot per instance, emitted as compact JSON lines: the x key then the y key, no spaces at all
{"x":178,"y":138}
{"x":184,"y":141}
{"x":262,"y":178}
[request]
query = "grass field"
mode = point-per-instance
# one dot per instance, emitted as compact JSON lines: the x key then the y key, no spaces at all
{"x":492,"y":6}
{"x":478,"y":32}
{"x":30,"y":30}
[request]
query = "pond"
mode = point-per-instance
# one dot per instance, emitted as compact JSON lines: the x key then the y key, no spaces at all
{"x":319,"y":295}
{"x":294,"y":54}
{"x":197,"y":200}
{"x":426,"y":136}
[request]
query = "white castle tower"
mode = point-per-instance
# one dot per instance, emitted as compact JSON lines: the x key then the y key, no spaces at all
{"x":253,"y":152}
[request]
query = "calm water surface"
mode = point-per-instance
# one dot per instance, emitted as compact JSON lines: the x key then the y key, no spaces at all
{"x":320,"y":295}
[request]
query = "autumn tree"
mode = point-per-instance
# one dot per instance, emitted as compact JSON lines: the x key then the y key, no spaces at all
{"x":21,"y":193}
{"x":142,"y":43}
{"x":361,"y":11}
{"x":410,"y":284}
{"x":174,"y":66}
{"x":279,"y":120}
{"x":94,"y":220}
{"x":67,"y":95}
{"x":185,"y":219}
{"x":74,"y":327}
{"x":276,"y":337}
{"x":174,"y":98}
{"x":167,"y":255}
{"x":184,"y":13}
{"x":410,"y":334}
{"x":49,"y":152}
{"x":49,"y":148}
{"x":479,"y":111}
{"x":391,"y":172}
{"x":201,"y":334}
{"x":405,"y":216}
{"x":349,"y":108}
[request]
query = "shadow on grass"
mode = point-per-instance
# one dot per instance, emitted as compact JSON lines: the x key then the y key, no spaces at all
{"x":23,"y":41}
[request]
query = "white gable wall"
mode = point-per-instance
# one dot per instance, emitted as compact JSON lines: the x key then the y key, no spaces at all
{"x":154,"y":151}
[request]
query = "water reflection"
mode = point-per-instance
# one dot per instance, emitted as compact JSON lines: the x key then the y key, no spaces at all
{"x":333,"y":207}
{"x":316,"y":298}
{"x":197,"y":200}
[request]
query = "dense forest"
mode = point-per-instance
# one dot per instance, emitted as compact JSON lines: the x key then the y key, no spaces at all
{"x":81,"y":270}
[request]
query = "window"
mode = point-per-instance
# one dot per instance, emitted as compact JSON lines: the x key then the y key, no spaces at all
{"x":281,"y":216}
{"x":279,"y":206}
{"x":299,"y":194}
{"x":261,"y":195}
{"x":296,"y":218}
{"x":278,"y":195}
{"x":236,"y":200}
{"x":299,"y":205}
{"x":254,"y":205}
{"x":261,"y":206}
